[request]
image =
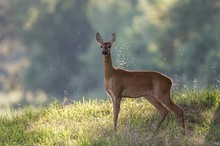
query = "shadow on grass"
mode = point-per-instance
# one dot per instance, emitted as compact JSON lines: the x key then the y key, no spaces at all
{"x":194,"y":114}
{"x":213,"y":136}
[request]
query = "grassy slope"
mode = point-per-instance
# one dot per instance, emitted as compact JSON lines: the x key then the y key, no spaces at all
{"x":90,"y":123}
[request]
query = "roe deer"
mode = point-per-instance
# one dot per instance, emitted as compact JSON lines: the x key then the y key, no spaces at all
{"x":154,"y":86}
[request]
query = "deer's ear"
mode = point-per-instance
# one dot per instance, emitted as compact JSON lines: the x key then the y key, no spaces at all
{"x":112,"y":38}
{"x":99,"y":38}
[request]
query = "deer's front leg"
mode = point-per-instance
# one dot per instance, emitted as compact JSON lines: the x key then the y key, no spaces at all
{"x":116,"y":109}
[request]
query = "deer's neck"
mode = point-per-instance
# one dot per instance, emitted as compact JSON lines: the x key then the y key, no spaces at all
{"x":108,"y":68}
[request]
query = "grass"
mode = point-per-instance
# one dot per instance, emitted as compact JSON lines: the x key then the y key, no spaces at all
{"x":91,"y":123}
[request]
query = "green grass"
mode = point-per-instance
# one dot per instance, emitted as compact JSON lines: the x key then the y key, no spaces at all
{"x":91,"y":123}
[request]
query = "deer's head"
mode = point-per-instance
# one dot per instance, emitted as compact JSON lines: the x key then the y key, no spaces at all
{"x":105,"y":46}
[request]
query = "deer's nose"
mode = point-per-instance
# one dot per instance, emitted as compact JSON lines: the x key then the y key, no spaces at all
{"x":105,"y":52}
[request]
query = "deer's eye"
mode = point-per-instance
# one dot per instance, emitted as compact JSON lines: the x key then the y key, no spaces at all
{"x":109,"y":47}
{"x":101,"y":46}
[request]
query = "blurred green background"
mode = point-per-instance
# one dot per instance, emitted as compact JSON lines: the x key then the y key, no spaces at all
{"x":48,"y":46}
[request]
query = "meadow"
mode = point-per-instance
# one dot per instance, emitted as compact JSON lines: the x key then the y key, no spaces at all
{"x":90,"y":122}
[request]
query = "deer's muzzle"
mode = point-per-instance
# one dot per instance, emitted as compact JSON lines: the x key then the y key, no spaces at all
{"x":105,"y":53}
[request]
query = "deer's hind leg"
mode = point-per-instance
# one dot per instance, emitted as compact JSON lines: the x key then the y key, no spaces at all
{"x":167,"y":101}
{"x":163,"y":111}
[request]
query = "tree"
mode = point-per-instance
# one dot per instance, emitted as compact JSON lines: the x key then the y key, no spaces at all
{"x":190,"y":35}
{"x":55,"y":40}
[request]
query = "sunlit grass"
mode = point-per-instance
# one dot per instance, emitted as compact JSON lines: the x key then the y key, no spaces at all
{"x":90,"y":122}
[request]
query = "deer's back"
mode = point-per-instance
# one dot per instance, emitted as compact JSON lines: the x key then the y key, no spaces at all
{"x":139,"y":83}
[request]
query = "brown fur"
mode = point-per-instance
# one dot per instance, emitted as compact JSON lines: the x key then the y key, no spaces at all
{"x":154,"y":86}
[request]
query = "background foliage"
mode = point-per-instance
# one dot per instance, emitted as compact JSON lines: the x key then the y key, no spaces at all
{"x":49,"y":46}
